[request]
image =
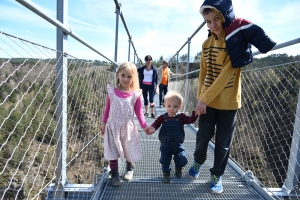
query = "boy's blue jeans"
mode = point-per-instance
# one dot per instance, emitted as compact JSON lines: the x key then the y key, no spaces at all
{"x":220,"y":123}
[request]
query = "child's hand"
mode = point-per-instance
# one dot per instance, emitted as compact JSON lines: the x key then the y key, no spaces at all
{"x":151,"y":130}
{"x":146,"y":130}
{"x":102,"y":128}
{"x":200,"y":108}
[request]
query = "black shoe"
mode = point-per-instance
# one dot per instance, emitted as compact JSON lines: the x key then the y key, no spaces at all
{"x":166,"y":177}
{"x":178,"y":172}
{"x":153,"y":115}
{"x":160,"y":106}
{"x":146,"y":114}
{"x":115,"y":178}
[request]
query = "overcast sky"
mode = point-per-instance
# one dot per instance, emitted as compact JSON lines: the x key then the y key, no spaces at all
{"x":157,"y":27}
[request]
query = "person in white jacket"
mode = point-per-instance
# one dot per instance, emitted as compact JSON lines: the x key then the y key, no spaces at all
{"x":164,"y":73}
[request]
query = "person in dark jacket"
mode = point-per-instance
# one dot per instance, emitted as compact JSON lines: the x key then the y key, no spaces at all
{"x":240,"y":34}
{"x":224,"y":52}
{"x":148,"y":83}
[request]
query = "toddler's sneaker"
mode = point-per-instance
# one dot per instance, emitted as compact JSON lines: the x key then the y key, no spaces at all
{"x":195,"y":170}
{"x":166,"y":177}
{"x":178,"y":172}
{"x":216,"y":184}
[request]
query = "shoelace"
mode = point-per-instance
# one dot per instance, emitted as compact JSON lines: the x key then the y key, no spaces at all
{"x":215,"y":179}
{"x":197,"y":166}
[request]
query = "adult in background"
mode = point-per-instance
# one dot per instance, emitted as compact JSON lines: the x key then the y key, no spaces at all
{"x":148,"y":83}
{"x":164,"y":73}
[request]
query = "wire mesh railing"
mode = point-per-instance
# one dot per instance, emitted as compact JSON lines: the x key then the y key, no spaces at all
{"x":52,"y":104}
{"x":262,"y":142}
{"x":28,"y":123}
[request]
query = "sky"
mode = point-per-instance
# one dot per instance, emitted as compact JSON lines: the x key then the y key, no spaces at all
{"x":158,"y":27}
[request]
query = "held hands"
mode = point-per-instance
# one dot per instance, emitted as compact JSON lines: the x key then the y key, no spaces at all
{"x":200,"y":108}
{"x":102,"y":128}
{"x":149,"y":130}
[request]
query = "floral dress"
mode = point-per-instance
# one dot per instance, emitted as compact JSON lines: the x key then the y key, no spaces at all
{"x":121,"y":137}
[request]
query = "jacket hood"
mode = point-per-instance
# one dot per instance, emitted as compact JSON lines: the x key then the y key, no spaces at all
{"x":223,"y":6}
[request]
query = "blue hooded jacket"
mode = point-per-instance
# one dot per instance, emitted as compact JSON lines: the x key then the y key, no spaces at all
{"x":240,"y":34}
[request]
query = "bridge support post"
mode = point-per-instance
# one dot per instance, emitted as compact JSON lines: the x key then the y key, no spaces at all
{"x":61,"y":101}
{"x":187,"y":76}
{"x":129,"y":41}
{"x":134,"y":58}
{"x":293,"y":172}
{"x":118,"y":12}
{"x":177,"y":64}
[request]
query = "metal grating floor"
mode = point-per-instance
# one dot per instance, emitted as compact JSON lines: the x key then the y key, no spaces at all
{"x":147,"y":182}
{"x":177,"y":191}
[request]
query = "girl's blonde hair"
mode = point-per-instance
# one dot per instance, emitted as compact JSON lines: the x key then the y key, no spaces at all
{"x":131,"y":68}
{"x":174,"y":96}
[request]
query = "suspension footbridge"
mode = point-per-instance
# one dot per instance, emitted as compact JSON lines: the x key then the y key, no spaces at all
{"x":51,"y":106}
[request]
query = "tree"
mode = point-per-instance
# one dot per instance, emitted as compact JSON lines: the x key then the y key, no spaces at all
{"x":161,"y":59}
{"x":183,"y":57}
{"x":197,"y":57}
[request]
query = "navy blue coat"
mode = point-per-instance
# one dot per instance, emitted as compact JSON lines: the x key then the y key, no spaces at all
{"x":240,"y":34}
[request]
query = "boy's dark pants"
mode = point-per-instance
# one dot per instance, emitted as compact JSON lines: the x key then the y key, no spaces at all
{"x":163,"y":89}
{"x":224,"y":122}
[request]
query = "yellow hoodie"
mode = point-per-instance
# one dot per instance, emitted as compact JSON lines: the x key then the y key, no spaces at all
{"x":219,"y":83}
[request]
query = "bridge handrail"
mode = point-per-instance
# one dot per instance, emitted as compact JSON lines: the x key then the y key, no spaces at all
{"x":196,"y":31}
{"x":124,"y":23}
{"x":39,"y":11}
{"x":278,"y":46}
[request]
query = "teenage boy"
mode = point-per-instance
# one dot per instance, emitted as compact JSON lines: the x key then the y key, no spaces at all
{"x":224,"y":52}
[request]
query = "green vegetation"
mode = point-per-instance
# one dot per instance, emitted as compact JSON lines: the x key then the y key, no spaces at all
{"x":28,"y":106}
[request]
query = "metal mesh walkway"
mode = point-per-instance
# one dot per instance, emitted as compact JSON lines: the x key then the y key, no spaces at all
{"x":147,"y":182}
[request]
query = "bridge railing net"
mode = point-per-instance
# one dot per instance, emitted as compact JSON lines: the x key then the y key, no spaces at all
{"x":28,"y":82}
